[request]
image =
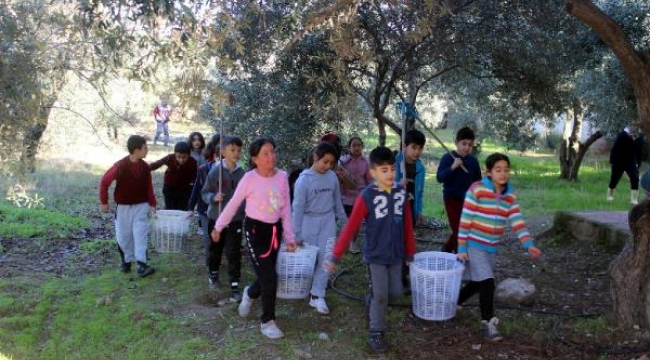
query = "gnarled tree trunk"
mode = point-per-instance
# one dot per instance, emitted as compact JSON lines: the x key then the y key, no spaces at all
{"x":32,"y":139}
{"x":382,"y":133}
{"x":629,"y":273}
{"x":572,"y":150}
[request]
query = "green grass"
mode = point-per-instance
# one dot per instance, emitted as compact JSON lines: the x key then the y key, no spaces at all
{"x":106,"y":316}
{"x":17,"y":222}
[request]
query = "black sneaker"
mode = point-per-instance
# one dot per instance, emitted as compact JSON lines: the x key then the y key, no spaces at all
{"x":377,"y":342}
{"x":213,"y":279}
{"x":145,"y":270}
{"x":125,"y":267}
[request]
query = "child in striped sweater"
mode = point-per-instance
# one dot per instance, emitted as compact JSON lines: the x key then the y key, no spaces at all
{"x":490,"y":205}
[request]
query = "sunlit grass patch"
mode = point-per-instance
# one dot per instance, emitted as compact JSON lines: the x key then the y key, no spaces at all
{"x":16,"y":222}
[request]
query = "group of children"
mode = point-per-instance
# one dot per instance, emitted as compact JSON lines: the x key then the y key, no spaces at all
{"x":384,"y":192}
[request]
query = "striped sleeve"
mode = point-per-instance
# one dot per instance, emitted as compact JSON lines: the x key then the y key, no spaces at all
{"x":466,"y":218}
{"x":518,"y":225}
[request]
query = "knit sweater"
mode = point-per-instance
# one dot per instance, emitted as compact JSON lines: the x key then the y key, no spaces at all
{"x":485,"y":217}
{"x":133,"y":183}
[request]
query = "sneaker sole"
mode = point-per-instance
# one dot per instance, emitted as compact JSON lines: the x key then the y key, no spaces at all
{"x":146,"y":273}
{"x":319,"y":310}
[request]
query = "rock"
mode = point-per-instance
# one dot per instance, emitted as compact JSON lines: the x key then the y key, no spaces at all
{"x":476,"y":347}
{"x":516,"y":292}
{"x":104,"y":300}
{"x":302,"y":354}
{"x":323,"y":336}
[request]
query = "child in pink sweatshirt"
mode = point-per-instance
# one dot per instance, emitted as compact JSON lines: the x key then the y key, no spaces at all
{"x":268,"y":217}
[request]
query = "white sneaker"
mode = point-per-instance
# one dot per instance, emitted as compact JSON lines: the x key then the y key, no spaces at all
{"x":320,"y":305}
{"x":199,"y":231}
{"x":271,"y":330}
{"x":245,"y":305}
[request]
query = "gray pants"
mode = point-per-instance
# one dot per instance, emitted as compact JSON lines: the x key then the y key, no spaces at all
{"x":386,"y":281}
{"x":131,"y":231}
{"x":320,"y":231}
{"x":162,"y":127}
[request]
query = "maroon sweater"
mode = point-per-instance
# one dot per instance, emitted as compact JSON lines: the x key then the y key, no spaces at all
{"x":177,"y":176}
{"x":133,"y":185}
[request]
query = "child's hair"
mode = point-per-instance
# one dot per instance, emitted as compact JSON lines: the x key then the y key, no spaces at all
{"x":135,"y":142}
{"x":254,"y":150}
{"x":232,"y":140}
{"x":208,"y":152}
{"x":182,"y":148}
{"x":381,"y":155}
{"x":190,"y":139}
{"x":323,"y":148}
{"x":493,"y":159}
{"x":332,"y":138}
{"x":414,"y":137}
{"x":465,"y":133}
{"x":352,"y":139}
{"x":214,"y":140}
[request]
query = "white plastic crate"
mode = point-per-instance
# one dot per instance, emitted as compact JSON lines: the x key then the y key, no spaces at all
{"x":171,"y":227}
{"x":435,"y":285}
{"x":295,"y":272}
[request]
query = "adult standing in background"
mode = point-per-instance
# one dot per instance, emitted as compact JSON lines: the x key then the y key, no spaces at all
{"x":161,"y":113}
{"x":623,"y":159}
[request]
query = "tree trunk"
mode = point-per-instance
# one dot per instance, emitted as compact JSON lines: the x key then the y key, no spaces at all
{"x":629,"y":273}
{"x":382,"y":133}
{"x":32,"y":139}
{"x":572,"y":151}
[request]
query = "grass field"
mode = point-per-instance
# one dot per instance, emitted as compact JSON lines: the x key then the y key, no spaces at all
{"x":104,"y":315}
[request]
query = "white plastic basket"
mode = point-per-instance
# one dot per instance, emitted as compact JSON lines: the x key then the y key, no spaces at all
{"x":295,"y":272}
{"x":435,"y":285}
{"x":170,"y":229}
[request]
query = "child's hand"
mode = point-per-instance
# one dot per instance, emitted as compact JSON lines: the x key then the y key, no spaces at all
{"x":152,"y":210}
{"x":458,"y":162}
{"x":219,"y":197}
{"x":215,"y":235}
{"x":291,"y":246}
{"x":330,"y":266}
{"x":421,"y":219}
{"x":462,"y":257}
{"x":189,"y":214}
{"x":103,"y":208}
{"x":534,"y":252}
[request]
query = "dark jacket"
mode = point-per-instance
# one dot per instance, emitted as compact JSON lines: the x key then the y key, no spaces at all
{"x":177,"y":176}
{"x":456,"y":182}
{"x":624,"y":151}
